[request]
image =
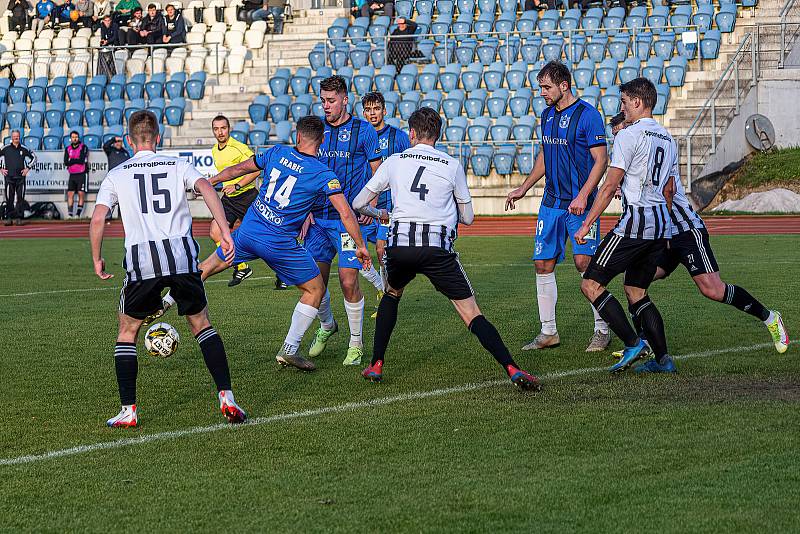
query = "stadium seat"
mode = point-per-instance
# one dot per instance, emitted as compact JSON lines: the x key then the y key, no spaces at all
{"x":703,"y":17}
{"x":481,"y":161}
{"x":658,"y":18}
{"x":34,"y":118}
{"x":497,"y":103}
{"x":52,"y":142}
{"x":279,"y":82}
{"x":654,"y":70}
{"x":475,"y":103}
{"x":384,"y":80}
{"x":644,"y":43}
{"x":525,"y":162}
{"x":470,"y":79}
{"x":493,"y":79}
{"x":662,"y":99}
{"x":551,"y":51}
{"x":538,"y":104}
{"x":279,"y":108}
{"x":196,"y":85}
{"x":675,"y":72}
{"x":479,"y":129}
{"x":504,"y":162}
{"x":709,"y":45}
{"x":174,"y":112}
{"x":725,"y":18}
{"x":56,"y":89}
{"x":449,"y":78}
{"x":300,"y":109}
{"x":530,"y":51}
{"x":680,"y":17}
{"x":664,"y":46}
{"x":606,"y":73}
{"x":583,"y":74}
{"x":113,"y":116}
{"x":524,"y":128}
{"x":54,"y":118}
{"x":596,"y":48}
{"x":609,"y":102}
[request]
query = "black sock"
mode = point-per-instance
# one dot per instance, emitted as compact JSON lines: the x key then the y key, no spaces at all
{"x":637,"y":324}
{"x":80,"y":209}
{"x":653,"y":325}
{"x":611,"y":311}
{"x":127,"y":367}
{"x":384,"y":325}
{"x":738,"y":297}
{"x":490,"y":338}
{"x":214,"y":355}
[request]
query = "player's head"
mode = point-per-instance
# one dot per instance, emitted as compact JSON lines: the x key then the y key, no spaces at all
{"x":310,"y":131}
{"x":74,"y":137}
{"x":425,"y":126}
{"x":221,"y":127}
{"x":15,"y":137}
{"x":143,"y":130}
{"x":617,"y":123}
{"x":555,"y":81}
{"x":333,"y":92}
{"x":374,"y":109}
{"x":151,"y":10}
{"x":137,"y":13}
{"x":638,"y":98}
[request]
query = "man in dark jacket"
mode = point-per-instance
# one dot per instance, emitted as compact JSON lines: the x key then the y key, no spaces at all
{"x":175,"y":29}
{"x":109,"y":32}
{"x":19,"y":15}
{"x":76,"y":159}
{"x":401,"y":42}
{"x":152,"y":26}
{"x":17,"y":161}
{"x":116,"y":152}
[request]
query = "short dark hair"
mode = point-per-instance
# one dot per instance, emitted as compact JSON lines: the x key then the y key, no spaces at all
{"x":151,"y":6}
{"x":335,"y":83}
{"x":221,"y":118}
{"x":143,"y":126}
{"x":643,"y":89}
{"x":374,"y":97}
{"x":557,"y":72}
{"x":616,"y":120}
{"x":427,"y":123}
{"x":311,"y":127}
{"x":74,"y":132}
{"x":137,"y":9}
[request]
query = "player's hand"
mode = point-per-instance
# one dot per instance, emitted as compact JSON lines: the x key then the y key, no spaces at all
{"x":380,"y":250}
{"x":362,"y":254}
{"x":25,"y":172}
{"x":228,"y":189}
{"x":580,"y":235}
{"x":512,"y":197}
{"x":365,"y":221}
{"x":227,"y":247}
{"x":304,"y":229}
{"x":100,"y":269}
{"x":618,"y":192}
{"x":578,"y":205}
{"x":4,"y":171}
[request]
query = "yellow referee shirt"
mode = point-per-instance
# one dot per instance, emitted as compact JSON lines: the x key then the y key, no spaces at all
{"x":233,"y":153}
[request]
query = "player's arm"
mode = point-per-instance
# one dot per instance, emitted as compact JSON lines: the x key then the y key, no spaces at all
{"x":365,"y":203}
{"x":536,"y":174}
{"x":600,"y":155}
{"x":463,"y":197}
{"x":247,"y":180}
{"x":235,"y":171}
{"x":204,"y":188}
{"x":669,"y":191}
{"x":604,"y":197}
{"x":339,"y":202}
{"x":96,"y":231}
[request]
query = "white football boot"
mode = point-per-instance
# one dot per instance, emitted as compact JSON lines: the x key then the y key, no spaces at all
{"x":232,"y":412}
{"x":126,"y":418}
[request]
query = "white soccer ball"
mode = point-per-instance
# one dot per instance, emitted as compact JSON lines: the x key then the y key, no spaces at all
{"x":162,"y":340}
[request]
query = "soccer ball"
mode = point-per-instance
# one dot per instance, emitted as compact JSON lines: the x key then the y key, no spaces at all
{"x":162,"y":340}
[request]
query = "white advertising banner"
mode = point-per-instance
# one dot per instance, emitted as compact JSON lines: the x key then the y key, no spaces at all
{"x":50,"y":175}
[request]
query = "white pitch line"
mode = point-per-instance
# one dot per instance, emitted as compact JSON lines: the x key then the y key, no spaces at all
{"x":339,"y":408}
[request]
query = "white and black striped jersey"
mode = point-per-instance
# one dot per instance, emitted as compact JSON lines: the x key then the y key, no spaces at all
{"x":683,"y":217}
{"x":649,"y":156}
{"x":150,"y":190}
{"x":427,"y":185}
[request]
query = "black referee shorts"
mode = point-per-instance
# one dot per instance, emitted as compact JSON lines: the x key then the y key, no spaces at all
{"x":693,"y":250}
{"x":637,"y":258}
{"x":143,"y":298}
{"x":441,"y":267}
{"x":236,"y":207}
{"x":77,"y":182}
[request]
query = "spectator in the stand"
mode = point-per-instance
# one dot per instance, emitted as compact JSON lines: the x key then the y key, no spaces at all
{"x":64,"y":12}
{"x":367,"y":8}
{"x":277,"y":8}
{"x":116,"y":152}
{"x":358,"y":5}
{"x":19,"y":15}
{"x":152,"y":26}
{"x":539,"y":4}
{"x":401,"y":42}
{"x":248,"y":8}
{"x":123,"y":12}
{"x":175,"y":27}
{"x":85,"y":18}
{"x":109,"y":32}
{"x":17,"y":162}
{"x":44,"y":15}
{"x":131,"y":30}
{"x":76,"y":159}
{"x":101,"y":9}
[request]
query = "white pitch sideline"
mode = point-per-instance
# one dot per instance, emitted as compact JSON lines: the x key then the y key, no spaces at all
{"x":339,"y":408}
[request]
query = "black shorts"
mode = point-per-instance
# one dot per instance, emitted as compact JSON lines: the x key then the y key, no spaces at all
{"x":441,"y":267}
{"x":693,"y":250}
{"x":143,"y":298}
{"x":77,"y":182}
{"x":635,"y":257}
{"x":236,"y":207}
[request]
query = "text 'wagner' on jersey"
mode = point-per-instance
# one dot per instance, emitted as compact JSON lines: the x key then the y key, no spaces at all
{"x":347,"y":150}
{"x":426,"y":186}
{"x":150,"y":190}
{"x":648,"y":154}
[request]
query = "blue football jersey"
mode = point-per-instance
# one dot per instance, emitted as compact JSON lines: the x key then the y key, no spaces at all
{"x":347,"y":150}
{"x":294,"y":184}
{"x":390,"y":141}
{"x":567,"y":136}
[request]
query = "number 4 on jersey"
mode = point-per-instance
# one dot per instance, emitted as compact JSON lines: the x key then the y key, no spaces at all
{"x":417,"y":187}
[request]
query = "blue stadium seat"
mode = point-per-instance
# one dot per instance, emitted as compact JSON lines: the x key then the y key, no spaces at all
{"x":362,"y":82}
{"x":618,"y":47}
{"x":614,"y":20}
{"x":637,"y":18}
{"x":283,"y":132}
{"x":504,"y":162}
{"x":445,"y":8}
{"x":74,"y":115}
{"x":592,"y":20}
{"x":525,"y":162}
{"x":279,"y":82}
{"x":680,"y":17}
{"x":547,"y":23}
{"x":470,"y":79}
{"x":487,"y":52}
{"x":524,"y":128}
{"x":451,"y":107}
{"x":113,"y":116}
{"x":552,"y":49}
{"x":629,"y":70}
{"x":316,"y":58}
{"x":428,"y":78}
{"x":508,"y":51}
{"x":644,"y":43}
{"x":37,"y":90}
{"x":662,"y":90}
{"x":520,"y":103}
{"x":654,"y":70}
{"x":407,"y":79}
{"x":466,"y":6}
{"x":52,"y":142}
{"x":17,"y":93}
{"x":34,"y":119}
{"x":709,"y":45}
{"x":497,"y":103}
{"x":676,"y":71}
{"x":174,"y":112}
{"x":596,"y":48}
{"x":175,"y":86}
{"x":609,"y":102}
{"x":113,"y":90}
{"x":403,"y":8}
{"x":257,"y":111}
{"x":515,"y":79}
{"x":77,"y":89}
{"x":32,"y":142}
{"x":154,"y":89}
{"x":302,"y":107}
{"x":725,"y":18}
{"x":449,"y":78}
{"x":575,"y":49}
{"x":384,"y":80}
{"x":133,"y":90}
{"x":378,"y":57}
{"x":359,"y":57}
{"x":445,"y":54}
{"x":464,"y":54}
{"x":583,"y":74}
{"x":406,"y":108}
{"x":508,"y":6}
{"x":479,"y":129}
{"x":493,"y":79}
{"x":526,"y":25}
{"x":54,"y":118}
{"x":299,"y":85}
{"x":93,"y":116}
{"x":456,"y":129}
{"x":703,"y":17}
{"x":501,"y":129}
{"x":279,"y":108}
{"x":664,"y":46}
{"x":538,"y":104}
{"x":481,"y":162}
{"x":475,"y":103}
{"x":56,"y":92}
{"x":606,"y":73}
{"x":658,"y":18}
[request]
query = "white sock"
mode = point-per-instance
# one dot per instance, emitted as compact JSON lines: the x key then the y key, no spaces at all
{"x":374,"y":277}
{"x":547,"y":296}
{"x":168,"y":299}
{"x":599,"y":324}
{"x":770,"y":318}
{"x":302,"y":318}
{"x":325,"y":314}
{"x":355,"y":317}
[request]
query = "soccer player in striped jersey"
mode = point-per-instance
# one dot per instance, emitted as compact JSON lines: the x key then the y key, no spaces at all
{"x":573,"y":159}
{"x":350,"y":150}
{"x":645,"y":165}
{"x":159,"y":253}
{"x":690,"y":246}
{"x":391,"y":140}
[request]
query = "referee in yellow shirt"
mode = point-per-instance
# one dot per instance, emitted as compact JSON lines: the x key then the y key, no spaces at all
{"x":237,"y":194}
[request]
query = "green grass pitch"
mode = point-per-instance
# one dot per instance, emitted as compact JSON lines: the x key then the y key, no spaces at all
{"x":713,"y":449}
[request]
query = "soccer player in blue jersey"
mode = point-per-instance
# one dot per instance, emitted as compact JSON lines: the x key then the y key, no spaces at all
{"x":350,"y":150}
{"x":573,"y":158}
{"x":295,"y":183}
{"x":391,"y":140}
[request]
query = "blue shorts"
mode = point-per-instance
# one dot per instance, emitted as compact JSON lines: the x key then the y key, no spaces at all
{"x":554,"y":226}
{"x":370,"y":232}
{"x":383,"y":232}
{"x":327,"y":238}
{"x":284,"y":255}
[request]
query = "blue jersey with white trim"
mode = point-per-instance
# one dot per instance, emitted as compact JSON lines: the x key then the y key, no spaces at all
{"x":391,"y":140}
{"x":294,"y":184}
{"x":567,"y":137}
{"x":347,"y":150}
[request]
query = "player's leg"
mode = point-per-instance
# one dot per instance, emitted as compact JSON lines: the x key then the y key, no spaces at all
{"x":370,"y":233}
{"x":233,"y":212}
{"x":548,"y":251}
{"x":322,"y":250}
{"x":84,"y":183}
{"x":349,"y":267}
{"x":70,"y":198}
